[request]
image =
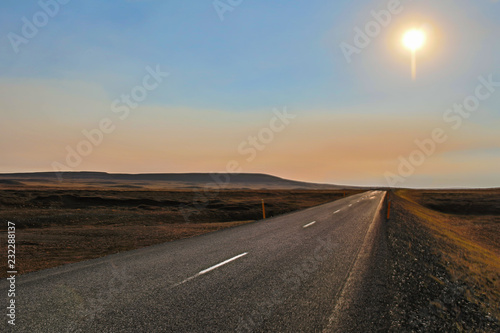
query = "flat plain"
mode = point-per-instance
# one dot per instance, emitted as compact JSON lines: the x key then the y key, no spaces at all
{"x":63,"y":224}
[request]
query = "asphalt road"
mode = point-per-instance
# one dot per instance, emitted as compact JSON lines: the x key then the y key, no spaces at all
{"x":292,"y":273}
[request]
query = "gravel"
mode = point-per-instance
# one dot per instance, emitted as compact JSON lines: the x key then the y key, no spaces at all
{"x":425,"y":298}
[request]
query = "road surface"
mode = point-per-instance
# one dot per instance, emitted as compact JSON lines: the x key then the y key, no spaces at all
{"x":298,"y":272}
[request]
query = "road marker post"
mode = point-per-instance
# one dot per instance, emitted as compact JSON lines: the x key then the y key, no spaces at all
{"x":263,"y":210}
{"x":388,"y":209}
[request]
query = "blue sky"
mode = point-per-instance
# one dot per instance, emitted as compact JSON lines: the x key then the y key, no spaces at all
{"x":226,"y":77}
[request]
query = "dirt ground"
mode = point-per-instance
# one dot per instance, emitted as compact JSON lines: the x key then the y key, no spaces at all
{"x":56,"y":226}
{"x":444,"y":244}
{"x":445,"y":250}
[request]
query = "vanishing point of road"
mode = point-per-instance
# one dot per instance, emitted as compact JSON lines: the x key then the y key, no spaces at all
{"x":315,"y":270}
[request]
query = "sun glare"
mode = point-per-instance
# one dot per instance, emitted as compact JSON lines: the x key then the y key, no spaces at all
{"x":414,"y":39}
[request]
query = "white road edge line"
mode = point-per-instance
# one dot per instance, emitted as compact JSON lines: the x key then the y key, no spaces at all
{"x":309,"y":224}
{"x":344,"y":296}
{"x":336,"y":211}
{"x":209,"y":269}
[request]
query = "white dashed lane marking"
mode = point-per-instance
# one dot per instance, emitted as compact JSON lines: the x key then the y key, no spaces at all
{"x":309,"y":224}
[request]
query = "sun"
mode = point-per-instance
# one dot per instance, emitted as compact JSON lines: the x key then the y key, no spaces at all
{"x":414,"y":39}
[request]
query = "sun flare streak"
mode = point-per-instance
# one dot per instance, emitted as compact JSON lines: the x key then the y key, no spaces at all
{"x":413,"y":40}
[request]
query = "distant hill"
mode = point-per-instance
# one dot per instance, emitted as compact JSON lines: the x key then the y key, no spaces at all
{"x":177,"y":180}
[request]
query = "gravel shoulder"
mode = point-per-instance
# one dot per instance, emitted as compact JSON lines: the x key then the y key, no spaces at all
{"x":441,"y":281}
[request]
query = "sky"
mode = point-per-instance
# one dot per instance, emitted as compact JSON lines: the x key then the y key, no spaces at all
{"x":317,"y":91}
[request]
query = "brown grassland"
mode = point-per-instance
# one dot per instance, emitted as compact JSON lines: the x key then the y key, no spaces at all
{"x":440,"y":240}
{"x":464,"y":229}
{"x":56,"y":226}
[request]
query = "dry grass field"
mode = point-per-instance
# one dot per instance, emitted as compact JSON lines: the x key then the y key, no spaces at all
{"x":444,"y":244}
{"x":57,"y":226}
{"x":446,"y":249}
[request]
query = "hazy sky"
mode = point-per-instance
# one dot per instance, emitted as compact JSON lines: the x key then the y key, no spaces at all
{"x":232,"y":65}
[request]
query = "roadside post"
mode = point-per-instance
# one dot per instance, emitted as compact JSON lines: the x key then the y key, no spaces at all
{"x":263,"y":210}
